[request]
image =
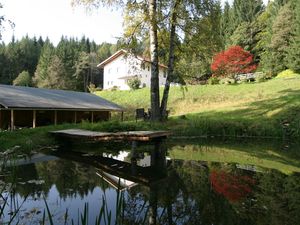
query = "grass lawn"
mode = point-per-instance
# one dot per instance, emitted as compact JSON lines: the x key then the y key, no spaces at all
{"x":269,"y":109}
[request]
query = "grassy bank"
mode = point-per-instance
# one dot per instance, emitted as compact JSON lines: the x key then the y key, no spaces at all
{"x":268,"y":109}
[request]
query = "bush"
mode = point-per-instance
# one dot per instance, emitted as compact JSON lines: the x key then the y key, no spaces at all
{"x":288,"y":74}
{"x":227,"y":81}
{"x":23,"y":79}
{"x":213,"y":80}
{"x":92,"y":88}
{"x":260,"y":77}
{"x":134,"y":83}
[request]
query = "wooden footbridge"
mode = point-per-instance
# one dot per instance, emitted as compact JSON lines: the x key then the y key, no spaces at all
{"x":85,"y":135}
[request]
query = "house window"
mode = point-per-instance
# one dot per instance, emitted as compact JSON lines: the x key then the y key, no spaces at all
{"x":143,"y":66}
{"x":148,"y":67}
{"x":107,"y":82}
{"x":112,"y":83}
{"x":117,"y":69}
{"x":109,"y":70}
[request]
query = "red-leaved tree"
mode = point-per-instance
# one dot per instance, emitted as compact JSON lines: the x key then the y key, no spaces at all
{"x":232,"y":61}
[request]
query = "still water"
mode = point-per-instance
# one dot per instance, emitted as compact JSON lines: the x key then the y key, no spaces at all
{"x":161,"y":183}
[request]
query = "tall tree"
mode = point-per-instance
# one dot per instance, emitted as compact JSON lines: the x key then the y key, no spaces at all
{"x":41,"y":73}
{"x":57,"y":76}
{"x":153,"y":15}
{"x":227,"y":24}
{"x":293,"y":57}
{"x":281,"y":38}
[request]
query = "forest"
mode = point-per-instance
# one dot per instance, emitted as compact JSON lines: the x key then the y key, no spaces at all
{"x":271,"y":33}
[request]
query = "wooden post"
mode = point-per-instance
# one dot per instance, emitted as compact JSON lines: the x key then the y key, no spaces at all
{"x":33,"y":118}
{"x":122,"y":116}
{"x":75,"y":117}
{"x":55,"y":117}
{"x":92,"y":117}
{"x":12,"y":120}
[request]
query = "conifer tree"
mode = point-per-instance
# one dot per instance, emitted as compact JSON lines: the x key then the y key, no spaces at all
{"x":281,"y":39}
{"x":293,"y":57}
{"x":41,"y":73}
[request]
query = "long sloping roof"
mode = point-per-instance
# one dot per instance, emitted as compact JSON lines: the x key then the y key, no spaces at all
{"x":123,"y":52}
{"x":39,"y":98}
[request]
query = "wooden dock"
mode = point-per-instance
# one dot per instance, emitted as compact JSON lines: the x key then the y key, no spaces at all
{"x":85,"y":135}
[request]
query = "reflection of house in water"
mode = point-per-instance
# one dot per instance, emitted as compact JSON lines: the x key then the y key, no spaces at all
{"x":119,"y":182}
{"x":116,"y":182}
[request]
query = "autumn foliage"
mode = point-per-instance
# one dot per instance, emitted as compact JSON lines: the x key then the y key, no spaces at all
{"x":232,"y":187}
{"x":232,"y":61}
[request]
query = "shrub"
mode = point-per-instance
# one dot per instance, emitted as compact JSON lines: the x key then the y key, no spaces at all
{"x":288,"y":74}
{"x":114,"y":88}
{"x":92,"y":88}
{"x":134,"y":83}
{"x":23,"y":79}
{"x":260,"y":77}
{"x":213,"y":80}
{"x":227,"y":81}
{"x":234,"y":60}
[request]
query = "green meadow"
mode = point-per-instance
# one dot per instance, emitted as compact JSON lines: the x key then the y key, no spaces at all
{"x":266,"y":109}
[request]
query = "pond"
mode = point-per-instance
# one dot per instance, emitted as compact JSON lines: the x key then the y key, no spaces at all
{"x":178,"y":182}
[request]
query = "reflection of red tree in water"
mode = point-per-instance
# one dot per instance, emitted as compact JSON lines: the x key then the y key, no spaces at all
{"x":232,"y":187}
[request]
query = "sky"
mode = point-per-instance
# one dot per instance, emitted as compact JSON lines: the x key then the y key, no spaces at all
{"x":54,"y":18}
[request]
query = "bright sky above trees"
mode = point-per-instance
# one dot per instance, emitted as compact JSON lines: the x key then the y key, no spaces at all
{"x":54,"y":18}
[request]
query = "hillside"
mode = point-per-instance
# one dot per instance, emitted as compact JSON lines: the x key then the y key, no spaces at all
{"x":270,"y":108}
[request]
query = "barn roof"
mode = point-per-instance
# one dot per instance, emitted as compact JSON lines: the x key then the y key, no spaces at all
{"x":15,"y":97}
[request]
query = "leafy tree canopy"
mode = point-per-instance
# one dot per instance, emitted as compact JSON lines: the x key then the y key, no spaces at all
{"x":234,"y":60}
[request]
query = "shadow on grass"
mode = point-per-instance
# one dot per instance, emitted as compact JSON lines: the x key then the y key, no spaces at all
{"x":278,"y":117}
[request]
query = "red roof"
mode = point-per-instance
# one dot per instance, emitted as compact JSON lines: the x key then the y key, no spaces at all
{"x":122,"y":52}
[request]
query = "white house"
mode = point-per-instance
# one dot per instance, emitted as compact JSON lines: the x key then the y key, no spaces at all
{"x":122,"y":66}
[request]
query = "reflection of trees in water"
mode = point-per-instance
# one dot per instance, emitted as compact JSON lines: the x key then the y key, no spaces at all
{"x":278,"y":198}
{"x":187,"y":196}
{"x":19,"y":177}
{"x":71,"y":179}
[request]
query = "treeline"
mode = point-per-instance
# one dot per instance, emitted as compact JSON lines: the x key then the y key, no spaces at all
{"x":71,"y":65}
{"x":271,"y":33}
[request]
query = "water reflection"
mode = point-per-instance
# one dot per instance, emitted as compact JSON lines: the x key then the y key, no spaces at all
{"x":158,"y":186}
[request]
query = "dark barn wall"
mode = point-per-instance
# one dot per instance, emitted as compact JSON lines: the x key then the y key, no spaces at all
{"x":101,"y":116}
{"x":23,"y":118}
{"x":44,"y":117}
{"x":65,"y":117}
{"x":4,"y":119}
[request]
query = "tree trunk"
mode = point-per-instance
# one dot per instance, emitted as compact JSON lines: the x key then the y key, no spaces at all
{"x":154,"y":88}
{"x":164,"y":101}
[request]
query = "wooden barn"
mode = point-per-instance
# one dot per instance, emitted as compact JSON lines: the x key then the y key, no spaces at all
{"x":32,"y":107}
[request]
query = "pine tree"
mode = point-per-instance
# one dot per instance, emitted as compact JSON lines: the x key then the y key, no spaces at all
{"x":293,"y":57}
{"x":41,"y":73}
{"x":281,"y":39}
{"x":227,"y":25}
